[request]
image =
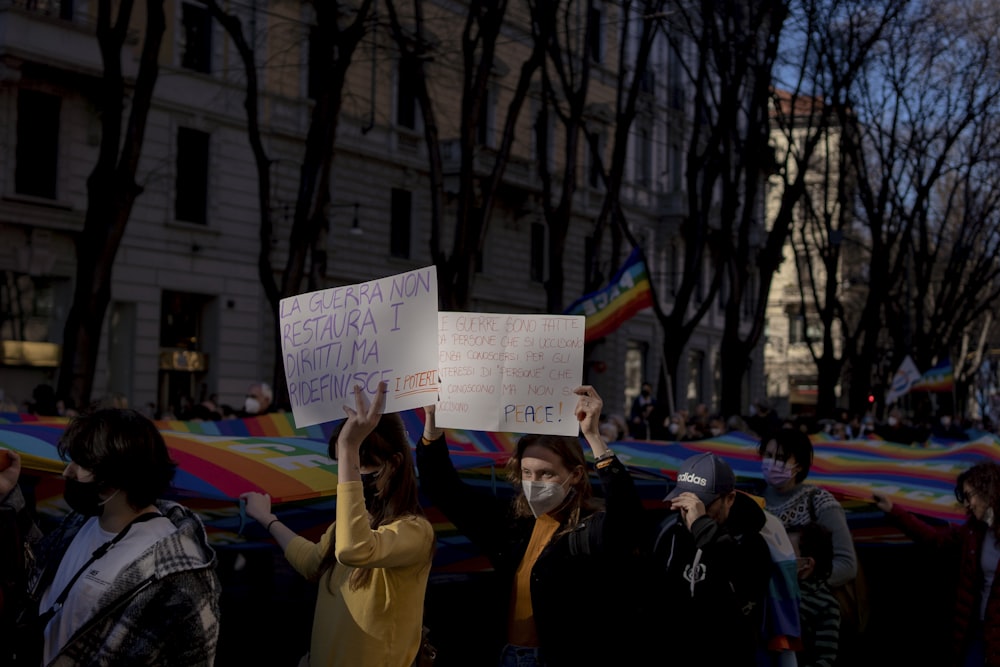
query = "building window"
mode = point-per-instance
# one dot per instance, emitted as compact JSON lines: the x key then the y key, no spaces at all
{"x":180,"y":319}
{"x":696,"y":370}
{"x":644,"y":155}
{"x":30,"y":306}
{"x":185,"y":331}
{"x":595,"y":154}
{"x":674,"y":167}
{"x":197,"y":23}
{"x":635,"y":369}
{"x":406,"y":95}
{"x":484,"y":128}
{"x":545,"y":138}
{"x":674,"y":270}
{"x":802,"y":329}
{"x":676,"y":79}
{"x":537,"y":252}
{"x":595,"y":28}
{"x":588,"y":258}
{"x":796,"y":329}
{"x":37,"y":154}
{"x":402,"y":207}
{"x":191,"y":196}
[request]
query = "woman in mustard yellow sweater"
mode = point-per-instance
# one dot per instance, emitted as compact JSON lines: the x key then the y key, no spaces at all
{"x":372,"y":563}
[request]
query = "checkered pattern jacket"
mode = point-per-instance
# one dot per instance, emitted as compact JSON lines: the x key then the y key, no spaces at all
{"x":162,"y":610}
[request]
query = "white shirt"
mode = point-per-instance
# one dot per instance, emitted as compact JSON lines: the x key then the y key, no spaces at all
{"x":85,"y":594}
{"x":988,"y":561}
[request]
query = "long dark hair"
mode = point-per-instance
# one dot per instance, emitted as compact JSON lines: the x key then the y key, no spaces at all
{"x":570,"y":453}
{"x":387,"y":445}
{"x":984,"y":478}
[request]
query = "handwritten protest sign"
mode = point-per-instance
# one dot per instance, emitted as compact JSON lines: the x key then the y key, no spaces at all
{"x":335,"y":339}
{"x":510,"y":372}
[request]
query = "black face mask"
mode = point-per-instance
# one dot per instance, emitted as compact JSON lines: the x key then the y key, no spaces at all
{"x":371,"y":490}
{"x":84,"y":497}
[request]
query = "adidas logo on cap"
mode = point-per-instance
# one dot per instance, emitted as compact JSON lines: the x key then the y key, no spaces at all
{"x":692,"y":478}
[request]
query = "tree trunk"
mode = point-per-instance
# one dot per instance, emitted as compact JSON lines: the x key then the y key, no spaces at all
{"x":307,"y":239}
{"x":828,"y":373}
{"x":111,"y":192}
{"x":265,"y":269}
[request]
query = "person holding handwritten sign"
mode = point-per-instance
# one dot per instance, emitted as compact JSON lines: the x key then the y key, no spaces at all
{"x":372,"y":564}
{"x":559,"y":554}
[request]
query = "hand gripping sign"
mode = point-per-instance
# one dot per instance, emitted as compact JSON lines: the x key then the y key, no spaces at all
{"x":510,"y":372}
{"x":337,"y":338}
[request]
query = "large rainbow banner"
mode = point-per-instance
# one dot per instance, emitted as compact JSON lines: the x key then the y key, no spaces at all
{"x":627,"y":293}
{"x":220,"y":460}
{"x":918,"y":479}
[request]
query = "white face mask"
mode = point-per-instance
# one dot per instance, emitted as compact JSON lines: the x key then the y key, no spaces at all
{"x":893,"y":421}
{"x":543,"y":497}
{"x":673,"y":428}
{"x":251,"y":405}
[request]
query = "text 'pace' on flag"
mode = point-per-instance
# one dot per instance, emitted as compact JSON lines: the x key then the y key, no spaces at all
{"x":627,"y":293}
{"x":939,"y":378}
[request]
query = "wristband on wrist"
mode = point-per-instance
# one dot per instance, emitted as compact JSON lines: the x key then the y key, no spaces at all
{"x":270,"y":523}
{"x":603,"y":457}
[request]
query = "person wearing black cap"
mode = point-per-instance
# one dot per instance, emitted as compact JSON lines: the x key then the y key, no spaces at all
{"x":714,"y":567}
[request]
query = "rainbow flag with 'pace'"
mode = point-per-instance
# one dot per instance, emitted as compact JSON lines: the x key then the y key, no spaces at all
{"x":939,"y":378}
{"x":627,"y":293}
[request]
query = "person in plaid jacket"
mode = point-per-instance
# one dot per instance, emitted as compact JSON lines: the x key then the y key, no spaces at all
{"x":126,"y":578}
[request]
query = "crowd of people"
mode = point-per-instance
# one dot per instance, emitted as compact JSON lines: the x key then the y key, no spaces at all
{"x":45,"y":402}
{"x":130,"y":578}
{"x":650,"y":419}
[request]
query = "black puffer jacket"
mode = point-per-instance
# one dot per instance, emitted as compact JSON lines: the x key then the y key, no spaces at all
{"x":583,"y":609}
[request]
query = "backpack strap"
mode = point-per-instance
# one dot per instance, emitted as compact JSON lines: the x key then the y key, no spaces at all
{"x":588,"y":535}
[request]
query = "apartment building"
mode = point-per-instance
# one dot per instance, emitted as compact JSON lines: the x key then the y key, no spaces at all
{"x":188,"y":315}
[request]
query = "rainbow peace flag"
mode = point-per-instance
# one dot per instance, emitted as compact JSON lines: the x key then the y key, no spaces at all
{"x":939,"y":378}
{"x":627,"y":293}
{"x":219,"y":460}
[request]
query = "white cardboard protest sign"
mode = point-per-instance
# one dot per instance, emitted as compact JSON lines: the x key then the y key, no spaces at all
{"x":337,"y":338}
{"x":502,"y":372}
